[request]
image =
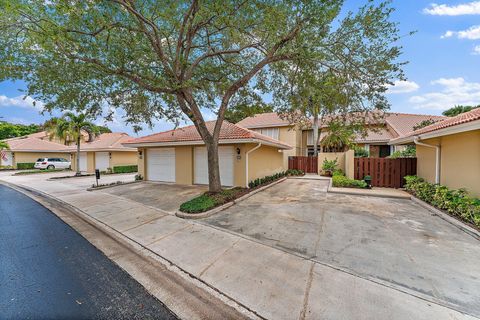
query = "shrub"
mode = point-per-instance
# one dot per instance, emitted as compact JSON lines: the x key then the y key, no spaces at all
{"x":342,"y":181}
{"x":361,"y":152}
{"x":208,"y":201}
{"x":455,"y":202}
{"x":26,"y":166}
{"x":125,"y":169}
{"x":409,"y":152}
{"x":329,"y":165}
{"x":138,"y":177}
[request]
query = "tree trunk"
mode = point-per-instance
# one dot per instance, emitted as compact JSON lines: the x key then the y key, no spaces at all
{"x":214,"y":184}
{"x":78,"y":157}
{"x":315,"y":134}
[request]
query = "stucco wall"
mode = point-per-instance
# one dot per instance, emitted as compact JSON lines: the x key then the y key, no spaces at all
{"x":141,"y":162}
{"x":459,"y":161}
{"x":184,"y":165}
{"x":289,"y":136}
{"x":263,"y":162}
{"x":123,"y":158}
{"x":30,"y":157}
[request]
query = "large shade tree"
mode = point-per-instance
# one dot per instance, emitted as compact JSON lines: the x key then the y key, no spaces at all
{"x":172,"y":59}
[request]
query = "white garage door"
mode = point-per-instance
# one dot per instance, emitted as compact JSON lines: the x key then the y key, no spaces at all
{"x":161,"y":164}
{"x":225,"y":158}
{"x":83,"y":161}
{"x":102,"y":161}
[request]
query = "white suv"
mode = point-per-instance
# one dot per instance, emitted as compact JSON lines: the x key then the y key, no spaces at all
{"x":52,"y":163}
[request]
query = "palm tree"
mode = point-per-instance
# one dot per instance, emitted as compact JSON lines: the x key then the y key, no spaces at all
{"x":339,"y":137}
{"x":70,"y":127}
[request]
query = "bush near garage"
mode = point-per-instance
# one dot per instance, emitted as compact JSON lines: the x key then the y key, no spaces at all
{"x":125,"y":169}
{"x":26,"y":165}
{"x":455,"y":202}
{"x":266,"y":180}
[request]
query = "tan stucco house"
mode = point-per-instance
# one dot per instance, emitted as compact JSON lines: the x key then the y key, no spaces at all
{"x":180,"y":156}
{"x":105,"y":152}
{"x":448,"y":152}
{"x":376,"y":142}
{"x":30,"y":148}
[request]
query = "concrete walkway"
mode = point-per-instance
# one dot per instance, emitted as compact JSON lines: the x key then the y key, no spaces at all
{"x":272,"y":283}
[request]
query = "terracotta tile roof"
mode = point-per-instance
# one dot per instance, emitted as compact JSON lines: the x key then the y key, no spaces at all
{"x":31,"y":144}
{"x":229,"y":131}
{"x":106,"y":141}
{"x":403,"y":123}
{"x":263,"y":120}
{"x":400,"y":124}
{"x":449,"y":122}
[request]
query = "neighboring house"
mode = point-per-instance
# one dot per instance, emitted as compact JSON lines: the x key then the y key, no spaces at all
{"x":28,"y":149}
{"x":376,"y":142}
{"x":106,"y":151}
{"x":448,"y":152}
{"x":180,"y":156}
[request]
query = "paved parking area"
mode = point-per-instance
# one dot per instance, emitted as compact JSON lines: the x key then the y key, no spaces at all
{"x":393,"y":242}
{"x":167,"y":197}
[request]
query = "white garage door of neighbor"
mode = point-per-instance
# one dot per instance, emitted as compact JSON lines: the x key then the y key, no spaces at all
{"x":6,"y":158}
{"x":161,"y":164}
{"x":83,"y":161}
{"x":225,"y":159}
{"x":102,"y":161}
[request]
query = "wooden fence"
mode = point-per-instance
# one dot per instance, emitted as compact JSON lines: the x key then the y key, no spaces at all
{"x":385,"y":172}
{"x":307,"y":164}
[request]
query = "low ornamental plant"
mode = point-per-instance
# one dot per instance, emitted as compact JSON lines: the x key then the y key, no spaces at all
{"x":456,"y":202}
{"x":26,"y":166}
{"x":125,"y":169}
{"x":268,"y":179}
{"x":339,"y":180}
{"x":329,"y":166}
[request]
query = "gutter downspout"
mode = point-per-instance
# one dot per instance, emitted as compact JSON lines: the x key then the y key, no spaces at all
{"x":246,"y":161}
{"x":437,"y":157}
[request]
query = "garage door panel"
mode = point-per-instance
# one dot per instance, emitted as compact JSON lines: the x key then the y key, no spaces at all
{"x":102,"y":161}
{"x":161,"y":164}
{"x":83,"y":161}
{"x":225,"y":159}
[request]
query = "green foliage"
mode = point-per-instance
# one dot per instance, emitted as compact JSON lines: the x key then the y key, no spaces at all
{"x":329,"y":166}
{"x":6,"y":167}
{"x":339,"y":137}
{"x":342,"y":181}
{"x":360,"y":152}
{"x":27,"y":172}
{"x":25,"y":165}
{"x":4,"y":145}
{"x":102,"y":129}
{"x":239,"y":112}
{"x":423,"y":124}
{"x":10,"y":130}
{"x":456,"y":202}
{"x":208,"y":200}
{"x":268,"y":179}
{"x":409,"y":152}
{"x":125,"y":169}
{"x":455,"y":111}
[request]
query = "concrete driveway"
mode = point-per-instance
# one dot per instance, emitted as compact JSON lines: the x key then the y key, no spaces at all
{"x":395,"y":243}
{"x":167,"y":197}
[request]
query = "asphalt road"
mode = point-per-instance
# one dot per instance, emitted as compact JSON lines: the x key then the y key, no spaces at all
{"x":49,"y":271}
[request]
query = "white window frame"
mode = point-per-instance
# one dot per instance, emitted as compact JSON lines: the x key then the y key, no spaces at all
{"x":273,"y":133}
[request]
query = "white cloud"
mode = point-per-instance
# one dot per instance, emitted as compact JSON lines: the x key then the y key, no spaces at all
{"x":20,"y":102}
{"x":476,"y":50}
{"x":453,"y":91}
{"x":403,"y":87}
{"x":472,"y":33}
{"x":455,"y":10}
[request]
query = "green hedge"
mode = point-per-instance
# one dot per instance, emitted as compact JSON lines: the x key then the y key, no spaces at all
{"x":26,"y":165}
{"x":341,"y":181}
{"x":455,"y":202}
{"x":208,"y":201}
{"x":265,"y":180}
{"x":125,"y":169}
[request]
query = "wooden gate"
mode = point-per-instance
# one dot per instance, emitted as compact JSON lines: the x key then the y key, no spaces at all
{"x":306,"y":164}
{"x":385,"y":172}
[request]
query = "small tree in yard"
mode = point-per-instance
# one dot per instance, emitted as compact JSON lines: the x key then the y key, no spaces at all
{"x":71,"y":126}
{"x":4,"y":145}
{"x":341,"y":87}
{"x":169,"y":59}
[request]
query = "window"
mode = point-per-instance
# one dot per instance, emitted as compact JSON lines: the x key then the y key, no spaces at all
{"x":40,"y":160}
{"x":269,"y":132}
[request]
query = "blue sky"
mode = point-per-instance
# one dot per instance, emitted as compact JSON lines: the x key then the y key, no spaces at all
{"x":443,"y":69}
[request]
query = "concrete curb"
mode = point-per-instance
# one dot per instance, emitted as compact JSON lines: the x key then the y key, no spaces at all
{"x":215,"y":210}
{"x":457,"y":223}
{"x":112,"y":185}
{"x":140,"y":251}
{"x":368,"y":195}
